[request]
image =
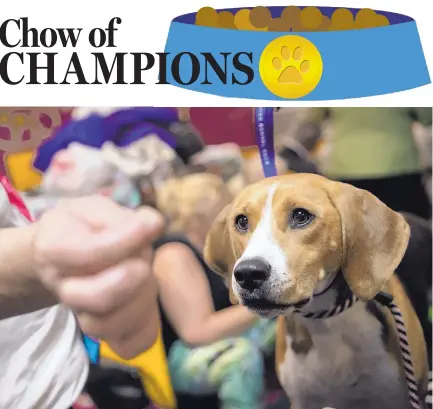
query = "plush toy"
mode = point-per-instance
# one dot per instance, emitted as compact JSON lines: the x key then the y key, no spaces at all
{"x":81,"y":170}
{"x":122,"y":127}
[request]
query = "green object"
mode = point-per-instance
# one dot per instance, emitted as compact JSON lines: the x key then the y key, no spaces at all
{"x":369,"y":143}
{"x":231,"y":368}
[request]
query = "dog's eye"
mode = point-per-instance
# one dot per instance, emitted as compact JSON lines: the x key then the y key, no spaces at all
{"x":300,"y":218}
{"x":241,"y":223}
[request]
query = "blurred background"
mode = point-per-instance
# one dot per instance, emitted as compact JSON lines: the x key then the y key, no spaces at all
{"x":189,"y":163}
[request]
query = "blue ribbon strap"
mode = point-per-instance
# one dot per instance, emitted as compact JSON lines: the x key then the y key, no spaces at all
{"x":264,"y":120}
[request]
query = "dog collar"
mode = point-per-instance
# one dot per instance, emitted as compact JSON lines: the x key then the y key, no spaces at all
{"x":338,"y":309}
{"x":344,"y":300}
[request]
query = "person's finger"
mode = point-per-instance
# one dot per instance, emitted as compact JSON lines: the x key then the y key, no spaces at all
{"x":81,"y":251}
{"x":97,"y":211}
{"x":103,"y":293}
{"x":147,"y":213}
{"x":122,"y":241}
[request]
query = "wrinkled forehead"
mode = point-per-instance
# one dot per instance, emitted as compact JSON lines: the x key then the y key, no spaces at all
{"x":280,"y":193}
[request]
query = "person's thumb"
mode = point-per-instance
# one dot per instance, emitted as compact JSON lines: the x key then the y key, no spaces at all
{"x":152,"y":220}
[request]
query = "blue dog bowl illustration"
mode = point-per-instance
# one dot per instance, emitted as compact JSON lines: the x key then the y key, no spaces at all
{"x":353,"y":63}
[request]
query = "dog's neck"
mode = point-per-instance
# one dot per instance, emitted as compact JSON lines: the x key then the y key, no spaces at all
{"x":331,"y":291}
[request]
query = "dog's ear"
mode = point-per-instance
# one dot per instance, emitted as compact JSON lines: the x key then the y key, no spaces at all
{"x":218,"y":252}
{"x":374,"y":239}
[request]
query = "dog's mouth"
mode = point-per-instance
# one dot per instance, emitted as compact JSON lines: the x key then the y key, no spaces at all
{"x":265,"y":307}
{"x":264,"y":304}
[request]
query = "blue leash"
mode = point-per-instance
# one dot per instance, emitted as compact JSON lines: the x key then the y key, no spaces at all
{"x":264,"y":120}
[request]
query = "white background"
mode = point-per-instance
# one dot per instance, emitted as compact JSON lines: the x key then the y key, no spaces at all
{"x":144,"y":29}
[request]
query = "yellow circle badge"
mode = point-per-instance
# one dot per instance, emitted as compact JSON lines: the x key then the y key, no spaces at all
{"x":290,"y":66}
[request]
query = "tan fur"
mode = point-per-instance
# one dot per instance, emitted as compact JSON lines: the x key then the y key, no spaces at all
{"x":188,"y":199}
{"x":280,"y":342}
{"x":374,"y":238}
{"x":300,"y":336}
{"x":220,"y":260}
{"x":235,"y":184}
{"x":352,"y":231}
{"x":184,"y":114}
{"x":414,"y":330}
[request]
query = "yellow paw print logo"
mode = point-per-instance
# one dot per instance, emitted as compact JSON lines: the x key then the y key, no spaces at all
{"x":291,"y":66}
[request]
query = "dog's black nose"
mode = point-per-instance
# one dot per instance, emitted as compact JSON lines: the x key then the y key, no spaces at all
{"x":251,"y":274}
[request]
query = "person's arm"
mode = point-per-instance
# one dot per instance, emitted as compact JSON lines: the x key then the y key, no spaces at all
{"x":93,"y":256}
{"x":20,"y":288}
{"x":21,"y":291}
{"x":186,"y":299}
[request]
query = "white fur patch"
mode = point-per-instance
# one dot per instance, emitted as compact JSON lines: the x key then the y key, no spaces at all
{"x":347,"y":363}
{"x":263,"y":245}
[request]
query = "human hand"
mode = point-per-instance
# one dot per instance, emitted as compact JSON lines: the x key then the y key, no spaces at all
{"x":96,"y":258}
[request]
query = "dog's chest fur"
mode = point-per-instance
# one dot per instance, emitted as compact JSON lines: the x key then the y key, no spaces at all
{"x":346,"y":366}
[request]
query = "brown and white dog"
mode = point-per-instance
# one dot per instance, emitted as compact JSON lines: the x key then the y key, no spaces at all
{"x":305,"y":239}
